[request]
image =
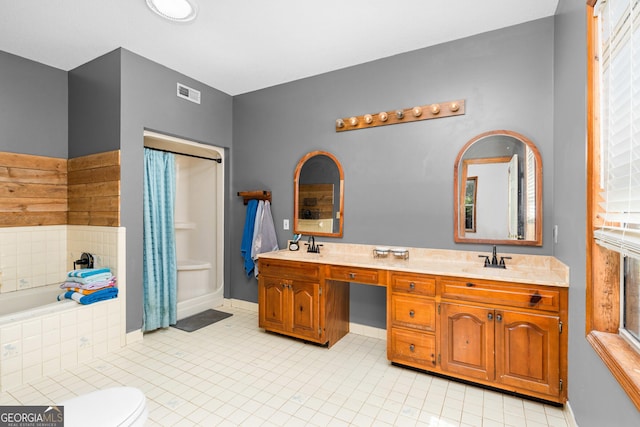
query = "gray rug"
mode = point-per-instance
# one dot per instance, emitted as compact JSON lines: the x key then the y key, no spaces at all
{"x":200,"y":320}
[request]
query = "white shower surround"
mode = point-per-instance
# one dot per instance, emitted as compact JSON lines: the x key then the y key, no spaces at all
{"x":199,"y":222}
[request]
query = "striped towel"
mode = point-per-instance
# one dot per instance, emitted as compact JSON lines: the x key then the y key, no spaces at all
{"x":86,"y":272}
{"x":86,"y":291}
{"x":89,"y":286}
{"x":101,"y":277}
{"x":101,"y":295}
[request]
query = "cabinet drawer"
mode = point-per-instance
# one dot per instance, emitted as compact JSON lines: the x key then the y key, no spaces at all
{"x":354,"y":274}
{"x":413,"y":347}
{"x":413,"y":312}
{"x":289,"y":269}
{"x":512,"y":295}
{"x":413,"y":284}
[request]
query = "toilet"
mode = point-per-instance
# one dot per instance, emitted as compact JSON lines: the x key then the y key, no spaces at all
{"x":117,"y":406}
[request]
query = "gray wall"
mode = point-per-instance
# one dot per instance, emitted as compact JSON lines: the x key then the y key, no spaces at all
{"x":33,"y":107}
{"x":595,"y":396}
{"x":114,"y":99}
{"x":530,"y":78}
{"x":399,"y":178}
{"x":149,"y":101}
{"x":94,"y":106}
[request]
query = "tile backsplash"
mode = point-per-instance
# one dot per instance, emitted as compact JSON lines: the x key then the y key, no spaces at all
{"x":32,"y":256}
{"x":37,"y":256}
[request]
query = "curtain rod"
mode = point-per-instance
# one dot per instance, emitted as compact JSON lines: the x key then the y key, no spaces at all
{"x":185,"y":154}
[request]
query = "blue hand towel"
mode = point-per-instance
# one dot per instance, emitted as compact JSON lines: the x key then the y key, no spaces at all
{"x":247,"y":236}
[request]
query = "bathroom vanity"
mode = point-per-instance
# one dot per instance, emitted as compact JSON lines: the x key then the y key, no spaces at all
{"x":446,"y":313}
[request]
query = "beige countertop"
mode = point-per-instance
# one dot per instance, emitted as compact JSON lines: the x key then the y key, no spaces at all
{"x":533,"y":269}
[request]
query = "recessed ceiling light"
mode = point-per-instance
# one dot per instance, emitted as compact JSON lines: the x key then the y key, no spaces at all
{"x":174,"y":10}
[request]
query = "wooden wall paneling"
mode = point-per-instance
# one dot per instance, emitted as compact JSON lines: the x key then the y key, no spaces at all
{"x":94,"y":189}
{"x":33,"y":190}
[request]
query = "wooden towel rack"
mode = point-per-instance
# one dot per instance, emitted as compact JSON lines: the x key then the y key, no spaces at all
{"x":256,"y":194}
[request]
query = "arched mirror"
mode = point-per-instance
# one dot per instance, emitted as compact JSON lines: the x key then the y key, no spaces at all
{"x":318,"y":195}
{"x":498,"y":190}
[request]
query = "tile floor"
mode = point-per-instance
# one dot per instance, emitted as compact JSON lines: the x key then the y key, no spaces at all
{"x":232,"y":373}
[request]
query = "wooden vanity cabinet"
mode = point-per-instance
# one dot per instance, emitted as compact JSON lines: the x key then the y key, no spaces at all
{"x":511,"y":338}
{"x":411,"y":320}
{"x":295,"y":300}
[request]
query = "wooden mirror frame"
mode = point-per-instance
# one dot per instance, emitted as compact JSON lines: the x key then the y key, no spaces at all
{"x":296,"y":195}
{"x":458,"y":198}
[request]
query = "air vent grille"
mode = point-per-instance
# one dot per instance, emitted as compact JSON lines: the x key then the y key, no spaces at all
{"x":188,"y":93}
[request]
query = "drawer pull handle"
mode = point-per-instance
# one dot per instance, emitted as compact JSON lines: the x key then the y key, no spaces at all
{"x":352,"y":275}
{"x":535,"y":299}
{"x":412,"y":348}
{"x":412,"y":285}
{"x":470,"y":285}
{"x":490,"y":316}
{"x":412,"y":313}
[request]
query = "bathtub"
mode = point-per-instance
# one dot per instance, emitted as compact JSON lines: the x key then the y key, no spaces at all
{"x":29,"y":303}
{"x":41,"y":336}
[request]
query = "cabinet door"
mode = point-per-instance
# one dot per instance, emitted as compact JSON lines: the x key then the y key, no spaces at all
{"x":467,"y":340}
{"x":528,"y":351}
{"x":272,"y":295}
{"x":305,"y":309}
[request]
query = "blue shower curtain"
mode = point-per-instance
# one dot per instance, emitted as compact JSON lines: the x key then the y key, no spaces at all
{"x":160,"y":265}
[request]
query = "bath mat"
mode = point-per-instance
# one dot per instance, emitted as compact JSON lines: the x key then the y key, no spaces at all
{"x":200,"y":320}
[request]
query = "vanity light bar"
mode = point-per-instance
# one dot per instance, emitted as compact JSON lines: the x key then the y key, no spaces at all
{"x":421,"y":112}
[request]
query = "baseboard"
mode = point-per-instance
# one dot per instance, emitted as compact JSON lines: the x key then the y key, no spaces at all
{"x":246,"y":305}
{"x":368,"y":331}
{"x":134,"y":336}
{"x":568,"y":415}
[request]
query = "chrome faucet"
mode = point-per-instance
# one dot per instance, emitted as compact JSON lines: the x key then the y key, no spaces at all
{"x":494,"y":263}
{"x":311,"y":245}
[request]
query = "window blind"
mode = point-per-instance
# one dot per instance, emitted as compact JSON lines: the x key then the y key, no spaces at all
{"x":619,"y":54}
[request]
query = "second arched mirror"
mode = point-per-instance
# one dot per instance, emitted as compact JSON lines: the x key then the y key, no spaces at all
{"x":498,"y":190}
{"x":318,"y":195}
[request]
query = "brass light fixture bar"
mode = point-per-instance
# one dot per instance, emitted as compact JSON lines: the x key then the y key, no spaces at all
{"x":420,"y":112}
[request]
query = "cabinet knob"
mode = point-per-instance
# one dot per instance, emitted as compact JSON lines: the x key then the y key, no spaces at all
{"x":412,"y":313}
{"x":490,"y":316}
{"x":412,"y":348}
{"x":352,"y":275}
{"x":470,"y":285}
{"x":499,"y":317}
{"x":412,"y":285}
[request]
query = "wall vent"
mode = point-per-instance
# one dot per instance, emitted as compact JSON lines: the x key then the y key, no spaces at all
{"x":188,"y":93}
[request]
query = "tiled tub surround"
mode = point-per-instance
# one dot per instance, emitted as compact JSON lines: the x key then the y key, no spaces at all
{"x":49,"y":335}
{"x":32,"y":256}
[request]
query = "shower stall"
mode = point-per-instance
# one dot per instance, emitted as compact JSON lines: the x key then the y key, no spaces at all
{"x":198,"y":218}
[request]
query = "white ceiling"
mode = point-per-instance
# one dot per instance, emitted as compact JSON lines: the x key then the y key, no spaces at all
{"x":241,"y":46}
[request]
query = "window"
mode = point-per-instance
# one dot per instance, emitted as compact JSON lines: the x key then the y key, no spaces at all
{"x":613,"y":180}
{"x":630,"y":310}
